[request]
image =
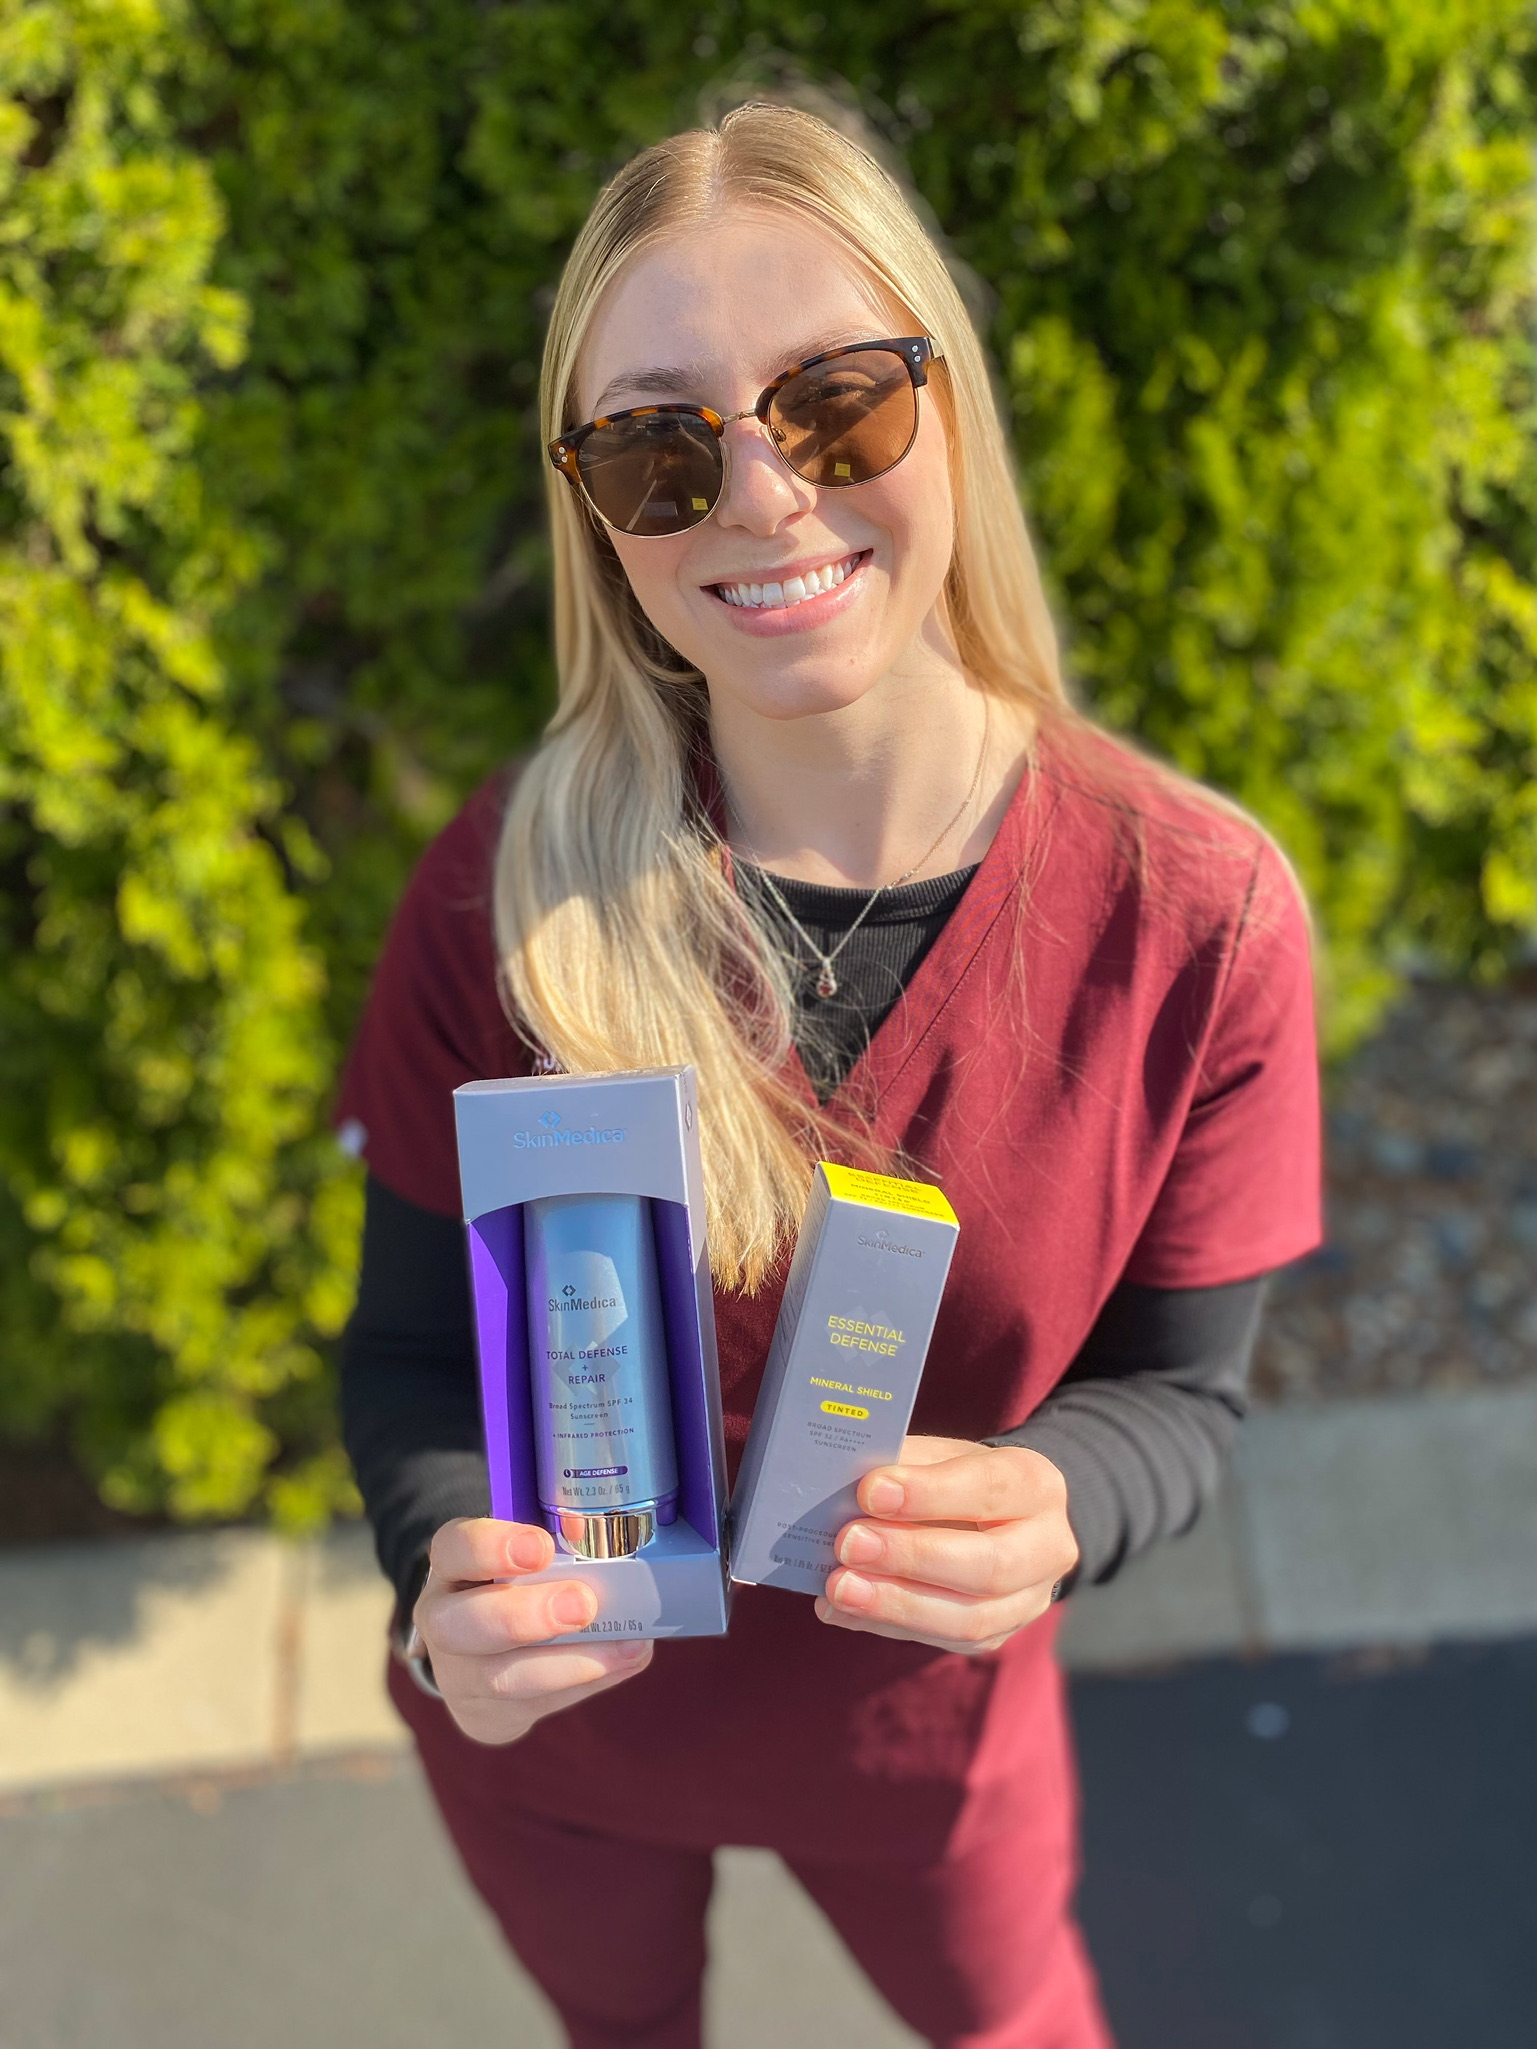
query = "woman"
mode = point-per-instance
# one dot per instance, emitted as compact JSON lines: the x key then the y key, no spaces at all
{"x":813,"y":814}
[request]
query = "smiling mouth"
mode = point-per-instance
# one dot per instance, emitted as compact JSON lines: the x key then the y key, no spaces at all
{"x":780,"y":597}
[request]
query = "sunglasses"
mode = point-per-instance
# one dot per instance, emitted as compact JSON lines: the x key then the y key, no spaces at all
{"x":846,"y":416}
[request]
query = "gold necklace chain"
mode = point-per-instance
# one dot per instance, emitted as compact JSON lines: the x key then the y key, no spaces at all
{"x":827,"y":980}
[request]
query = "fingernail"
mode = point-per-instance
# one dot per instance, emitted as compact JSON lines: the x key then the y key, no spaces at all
{"x":851,"y":1591}
{"x":629,"y":1652}
{"x":573,"y":1605}
{"x":861,"y":1546}
{"x":884,"y":1497}
{"x":526,"y":1550}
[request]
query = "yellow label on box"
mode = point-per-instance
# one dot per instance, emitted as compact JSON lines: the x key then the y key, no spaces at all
{"x":886,"y":1191}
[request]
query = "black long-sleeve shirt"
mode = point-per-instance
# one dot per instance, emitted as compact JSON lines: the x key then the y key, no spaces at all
{"x":1139,"y":1425}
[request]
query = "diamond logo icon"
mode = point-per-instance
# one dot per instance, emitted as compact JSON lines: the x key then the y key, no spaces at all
{"x":569,"y":1292}
{"x":550,"y":1119}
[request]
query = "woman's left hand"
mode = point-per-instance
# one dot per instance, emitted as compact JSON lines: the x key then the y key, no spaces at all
{"x":958,"y":1546}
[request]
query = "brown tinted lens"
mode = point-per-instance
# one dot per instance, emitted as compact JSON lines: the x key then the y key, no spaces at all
{"x":845,"y":421}
{"x":659,"y":473}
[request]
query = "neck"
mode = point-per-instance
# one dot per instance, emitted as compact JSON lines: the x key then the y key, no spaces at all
{"x":855,"y":796}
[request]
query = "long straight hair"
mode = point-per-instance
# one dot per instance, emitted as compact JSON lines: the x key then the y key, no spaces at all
{"x":623,"y":941}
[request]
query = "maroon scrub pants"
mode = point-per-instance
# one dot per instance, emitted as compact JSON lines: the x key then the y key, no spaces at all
{"x":977,"y":1951}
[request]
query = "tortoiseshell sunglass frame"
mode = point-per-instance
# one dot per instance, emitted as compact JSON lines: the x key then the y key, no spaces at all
{"x":916,"y":352}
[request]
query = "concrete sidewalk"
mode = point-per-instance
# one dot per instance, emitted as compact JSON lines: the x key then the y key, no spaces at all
{"x":198,"y":1767}
{"x":1390,"y":1521}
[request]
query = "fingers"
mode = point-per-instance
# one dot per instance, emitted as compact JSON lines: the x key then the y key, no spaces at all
{"x":988,"y":1483}
{"x":959,"y":1546}
{"x":532,"y":1676}
{"x":927,"y":1451}
{"x":498,"y":1700}
{"x":561,"y":1668}
{"x":478,"y":1548}
{"x":923,"y":1614}
{"x":488,"y":1619}
{"x":991,"y":1562}
{"x":489,"y":1632}
{"x":472,"y":1605}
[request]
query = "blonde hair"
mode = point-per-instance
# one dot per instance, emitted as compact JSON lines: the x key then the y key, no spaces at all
{"x":623,"y":941}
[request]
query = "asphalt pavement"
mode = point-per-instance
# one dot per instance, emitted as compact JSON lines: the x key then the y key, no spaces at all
{"x":325,"y":1911}
{"x":1309,"y":1750}
{"x":1327,"y":1852}
{"x":1316,"y":1853}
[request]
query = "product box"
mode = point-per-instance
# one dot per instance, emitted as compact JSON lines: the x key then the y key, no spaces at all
{"x":843,"y":1370}
{"x":632,"y":1134}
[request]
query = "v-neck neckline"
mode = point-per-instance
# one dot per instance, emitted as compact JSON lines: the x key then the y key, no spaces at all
{"x":895,"y":1041}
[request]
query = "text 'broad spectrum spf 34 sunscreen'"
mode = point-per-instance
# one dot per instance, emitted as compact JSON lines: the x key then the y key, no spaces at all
{"x":603,"y":1437}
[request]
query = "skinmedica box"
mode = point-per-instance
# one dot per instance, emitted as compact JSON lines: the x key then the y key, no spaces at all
{"x":843,"y":1369}
{"x":595,"y":1324}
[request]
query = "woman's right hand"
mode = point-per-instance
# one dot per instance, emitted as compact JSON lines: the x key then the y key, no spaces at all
{"x":488,"y":1637}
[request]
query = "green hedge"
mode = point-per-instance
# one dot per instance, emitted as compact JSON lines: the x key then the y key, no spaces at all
{"x":272,"y":277}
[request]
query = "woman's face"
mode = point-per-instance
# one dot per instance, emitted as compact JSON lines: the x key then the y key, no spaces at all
{"x":710,"y":318}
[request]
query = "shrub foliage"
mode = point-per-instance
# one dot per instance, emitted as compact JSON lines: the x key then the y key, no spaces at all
{"x":272,"y":280}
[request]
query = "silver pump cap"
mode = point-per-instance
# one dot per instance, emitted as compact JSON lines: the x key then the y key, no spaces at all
{"x":611,"y":1533}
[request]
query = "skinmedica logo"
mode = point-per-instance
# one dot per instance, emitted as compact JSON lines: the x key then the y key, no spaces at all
{"x":555,"y":1133}
{"x":575,"y":1299}
{"x":881,"y":1243}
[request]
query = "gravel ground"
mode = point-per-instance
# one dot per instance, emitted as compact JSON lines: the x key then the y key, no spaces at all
{"x":1429,"y":1276}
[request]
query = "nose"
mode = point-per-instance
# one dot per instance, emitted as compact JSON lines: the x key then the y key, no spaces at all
{"x":761,"y":491}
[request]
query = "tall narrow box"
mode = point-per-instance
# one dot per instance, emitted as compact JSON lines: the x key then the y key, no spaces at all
{"x":583,"y":1136}
{"x":843,"y":1369}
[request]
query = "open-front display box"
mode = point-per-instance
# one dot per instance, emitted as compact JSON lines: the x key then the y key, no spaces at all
{"x":634,"y":1135}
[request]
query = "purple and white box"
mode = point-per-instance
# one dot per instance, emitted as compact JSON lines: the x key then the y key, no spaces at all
{"x":632,"y":1134}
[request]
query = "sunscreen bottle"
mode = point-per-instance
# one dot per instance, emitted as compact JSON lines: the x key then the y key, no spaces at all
{"x":603,"y":1438}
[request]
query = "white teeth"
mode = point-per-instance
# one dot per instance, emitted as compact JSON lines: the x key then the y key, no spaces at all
{"x":793,"y":591}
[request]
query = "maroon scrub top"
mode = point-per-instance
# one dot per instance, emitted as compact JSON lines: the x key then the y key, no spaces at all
{"x":1107,"y":1061}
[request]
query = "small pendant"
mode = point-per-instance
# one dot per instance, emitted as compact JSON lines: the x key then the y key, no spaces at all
{"x":827,"y":981}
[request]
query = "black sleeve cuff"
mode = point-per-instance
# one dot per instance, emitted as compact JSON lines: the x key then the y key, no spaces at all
{"x":1142,"y":1423}
{"x":409,"y":1388}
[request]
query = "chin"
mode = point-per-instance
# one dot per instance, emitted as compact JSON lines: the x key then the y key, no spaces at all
{"x":775,"y":681}
{"x":789,"y":696}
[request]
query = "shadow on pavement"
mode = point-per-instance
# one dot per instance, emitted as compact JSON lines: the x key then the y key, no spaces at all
{"x":60,"y":1603}
{"x":1316,"y":1852}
